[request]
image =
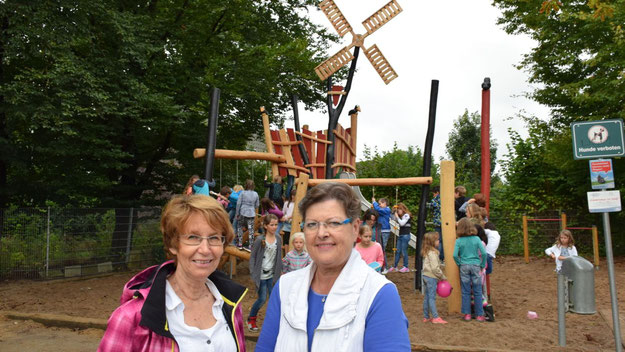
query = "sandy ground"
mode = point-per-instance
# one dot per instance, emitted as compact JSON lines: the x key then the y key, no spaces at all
{"x":516,"y":288}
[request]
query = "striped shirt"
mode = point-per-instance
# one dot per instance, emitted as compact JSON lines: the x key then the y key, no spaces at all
{"x":295,"y":260}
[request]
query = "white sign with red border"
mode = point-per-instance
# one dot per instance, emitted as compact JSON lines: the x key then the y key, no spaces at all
{"x":604,"y":201}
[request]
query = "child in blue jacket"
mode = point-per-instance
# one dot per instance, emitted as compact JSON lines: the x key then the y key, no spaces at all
{"x":385,"y":232}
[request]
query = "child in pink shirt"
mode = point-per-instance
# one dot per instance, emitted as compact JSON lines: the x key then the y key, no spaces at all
{"x":371,"y":252}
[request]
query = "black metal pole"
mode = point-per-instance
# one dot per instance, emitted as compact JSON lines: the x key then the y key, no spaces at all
{"x":212,"y":134}
{"x":301,"y":148}
{"x":425,"y":189}
{"x":335,"y":113}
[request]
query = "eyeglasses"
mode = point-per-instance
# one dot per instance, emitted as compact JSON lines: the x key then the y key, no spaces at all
{"x":312,"y":226}
{"x":195,"y":240}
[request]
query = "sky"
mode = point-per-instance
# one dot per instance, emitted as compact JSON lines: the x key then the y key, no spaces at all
{"x":454,"y":41}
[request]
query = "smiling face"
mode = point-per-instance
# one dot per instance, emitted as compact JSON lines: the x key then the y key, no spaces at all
{"x":197,"y":262}
{"x":330,"y":248}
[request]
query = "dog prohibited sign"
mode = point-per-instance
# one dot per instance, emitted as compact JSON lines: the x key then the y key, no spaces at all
{"x":598,"y":139}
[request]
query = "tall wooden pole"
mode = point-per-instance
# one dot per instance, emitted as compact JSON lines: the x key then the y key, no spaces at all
{"x":268,"y":143}
{"x":448,"y":227}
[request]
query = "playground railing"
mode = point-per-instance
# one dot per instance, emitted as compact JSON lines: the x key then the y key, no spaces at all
{"x":562,"y":225}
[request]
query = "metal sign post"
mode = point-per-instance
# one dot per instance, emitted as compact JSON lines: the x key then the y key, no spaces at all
{"x":602,"y":139}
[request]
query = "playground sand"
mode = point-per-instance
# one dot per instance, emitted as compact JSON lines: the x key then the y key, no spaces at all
{"x":516,"y":289}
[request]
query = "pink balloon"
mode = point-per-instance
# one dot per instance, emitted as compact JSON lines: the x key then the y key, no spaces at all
{"x":443,"y":288}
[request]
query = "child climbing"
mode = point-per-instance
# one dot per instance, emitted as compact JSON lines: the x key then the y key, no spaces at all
{"x":562,"y":249}
{"x":432,"y":273}
{"x":467,"y":256}
{"x":265,"y":265}
{"x":275,"y":190}
{"x":371,"y":252}
{"x":246,"y":212}
{"x":403,"y":218}
{"x":298,"y":258}
{"x":384,"y":214}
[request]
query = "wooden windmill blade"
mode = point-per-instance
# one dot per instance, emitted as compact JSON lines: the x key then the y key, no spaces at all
{"x":380,"y":64}
{"x":382,"y":16}
{"x":334,"y":14}
{"x":334,"y":63}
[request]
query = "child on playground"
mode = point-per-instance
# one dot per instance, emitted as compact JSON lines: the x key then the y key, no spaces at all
{"x":384,"y":214}
{"x":432,"y":273}
{"x":467,"y":256}
{"x":435,"y":205}
{"x":265,"y":265}
{"x":459,"y":198}
{"x":371,"y":252}
{"x":287,"y":209}
{"x":402,"y":216}
{"x":196,"y":185}
{"x":223,"y":196}
{"x":267,"y":206}
{"x":232,"y":205}
{"x":562,"y":249}
{"x":297,"y":258}
{"x":246,"y":212}
{"x":275,"y":190}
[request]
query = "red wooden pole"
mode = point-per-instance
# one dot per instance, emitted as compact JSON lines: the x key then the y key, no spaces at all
{"x":485,"y":142}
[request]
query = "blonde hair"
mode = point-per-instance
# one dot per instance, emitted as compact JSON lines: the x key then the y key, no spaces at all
{"x":178,"y":211}
{"x":464,"y":227}
{"x":476,"y":213}
{"x":568,"y":234}
{"x":460,"y":190}
{"x":429,"y":243}
{"x":237,"y":188}
{"x":299,"y":235}
{"x":362,"y":229}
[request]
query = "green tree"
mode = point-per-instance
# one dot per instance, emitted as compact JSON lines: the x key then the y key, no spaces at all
{"x":463,"y":147}
{"x":578,"y":62}
{"x":102,"y":102}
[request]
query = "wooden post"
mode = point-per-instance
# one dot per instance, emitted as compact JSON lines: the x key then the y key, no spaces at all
{"x":354,"y":132}
{"x":286,"y":152}
{"x":268,"y":143}
{"x":296,"y":219}
{"x":595,"y":245}
{"x":526,"y":248}
{"x":563,"y":221}
{"x":448,"y":227}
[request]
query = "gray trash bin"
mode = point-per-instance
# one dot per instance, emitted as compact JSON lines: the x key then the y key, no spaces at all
{"x":580,"y":274}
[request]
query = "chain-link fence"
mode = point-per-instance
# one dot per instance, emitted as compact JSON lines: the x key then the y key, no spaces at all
{"x":52,"y":243}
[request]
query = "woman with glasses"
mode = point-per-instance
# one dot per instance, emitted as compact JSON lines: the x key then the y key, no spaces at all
{"x":183,"y":304}
{"x":338,"y":303}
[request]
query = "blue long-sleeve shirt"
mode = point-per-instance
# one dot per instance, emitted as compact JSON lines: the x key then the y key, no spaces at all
{"x":385,"y":215}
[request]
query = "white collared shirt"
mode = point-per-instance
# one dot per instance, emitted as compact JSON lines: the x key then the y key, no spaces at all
{"x":189,"y":338}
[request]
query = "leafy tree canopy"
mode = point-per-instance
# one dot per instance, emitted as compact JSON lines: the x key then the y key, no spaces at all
{"x":103,"y":101}
{"x":464,"y":148}
{"x":578,"y":63}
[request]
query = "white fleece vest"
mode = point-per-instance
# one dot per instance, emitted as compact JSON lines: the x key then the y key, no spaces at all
{"x":342,"y":324}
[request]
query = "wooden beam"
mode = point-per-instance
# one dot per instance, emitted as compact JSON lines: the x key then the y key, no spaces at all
{"x":405,"y":181}
{"x":240,"y":155}
{"x":313,"y":138}
{"x":286,"y":151}
{"x":239,"y":253}
{"x":268,"y":144}
{"x":448,"y":227}
{"x":344,"y":165}
{"x":289,"y":143}
{"x":347,"y":144}
{"x":294,"y":167}
{"x":301,"y":185}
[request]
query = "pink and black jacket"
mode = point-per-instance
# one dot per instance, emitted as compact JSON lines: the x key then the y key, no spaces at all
{"x":140,"y":322}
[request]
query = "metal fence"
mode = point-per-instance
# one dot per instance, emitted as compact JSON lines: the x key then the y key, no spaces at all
{"x":52,"y":243}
